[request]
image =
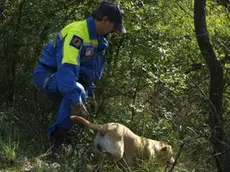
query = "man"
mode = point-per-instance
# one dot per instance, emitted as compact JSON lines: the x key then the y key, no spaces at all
{"x":71,"y":62}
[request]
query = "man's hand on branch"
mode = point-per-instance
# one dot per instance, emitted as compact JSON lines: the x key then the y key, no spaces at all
{"x":79,"y":109}
{"x":93,"y":103}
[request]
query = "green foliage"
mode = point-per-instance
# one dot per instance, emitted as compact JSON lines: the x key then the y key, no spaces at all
{"x":149,"y":83}
{"x":9,"y":150}
{"x":9,"y":143}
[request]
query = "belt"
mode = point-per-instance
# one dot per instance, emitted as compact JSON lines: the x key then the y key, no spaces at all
{"x":48,"y":67}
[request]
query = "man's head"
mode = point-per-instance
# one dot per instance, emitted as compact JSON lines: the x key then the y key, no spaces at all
{"x":108,"y":18}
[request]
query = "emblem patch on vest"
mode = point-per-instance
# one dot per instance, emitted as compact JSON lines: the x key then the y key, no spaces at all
{"x":89,"y":52}
{"x":76,"y":42}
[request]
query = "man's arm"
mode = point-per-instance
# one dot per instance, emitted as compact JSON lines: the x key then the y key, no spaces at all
{"x":67,"y":74}
{"x":100,"y":60}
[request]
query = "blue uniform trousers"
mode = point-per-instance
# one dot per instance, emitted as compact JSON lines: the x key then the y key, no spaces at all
{"x":46,"y":82}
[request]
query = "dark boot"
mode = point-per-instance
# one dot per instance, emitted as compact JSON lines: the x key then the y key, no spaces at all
{"x":58,"y":139}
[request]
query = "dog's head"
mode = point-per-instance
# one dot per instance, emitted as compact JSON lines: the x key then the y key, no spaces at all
{"x":109,"y":141}
{"x":164,"y":152}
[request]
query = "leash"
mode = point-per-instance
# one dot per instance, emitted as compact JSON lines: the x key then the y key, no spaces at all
{"x":78,"y":154}
{"x":80,"y":131}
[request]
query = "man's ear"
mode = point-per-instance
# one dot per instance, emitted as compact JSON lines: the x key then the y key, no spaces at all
{"x":105,"y":19}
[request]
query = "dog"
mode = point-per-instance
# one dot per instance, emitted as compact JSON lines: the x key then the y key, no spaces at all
{"x":117,"y":143}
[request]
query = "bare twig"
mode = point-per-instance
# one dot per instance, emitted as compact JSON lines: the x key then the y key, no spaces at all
{"x":180,"y":150}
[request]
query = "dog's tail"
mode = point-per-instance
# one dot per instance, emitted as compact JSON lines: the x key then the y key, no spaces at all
{"x":86,"y":123}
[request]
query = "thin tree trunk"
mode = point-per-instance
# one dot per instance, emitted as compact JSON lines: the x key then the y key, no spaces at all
{"x":2,"y":6}
{"x":217,"y":139}
{"x":13,"y":56}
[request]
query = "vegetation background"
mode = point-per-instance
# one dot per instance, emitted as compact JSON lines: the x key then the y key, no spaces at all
{"x":156,"y":81}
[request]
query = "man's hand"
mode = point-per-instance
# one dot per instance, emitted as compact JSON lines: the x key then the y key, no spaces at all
{"x":79,"y":110}
{"x":93,"y":103}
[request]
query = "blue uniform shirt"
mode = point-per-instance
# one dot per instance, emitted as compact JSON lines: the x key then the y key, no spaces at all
{"x":76,"y":55}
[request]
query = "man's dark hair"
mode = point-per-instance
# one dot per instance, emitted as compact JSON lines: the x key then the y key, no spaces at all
{"x":97,"y":14}
{"x":113,"y":12}
{"x":109,"y":9}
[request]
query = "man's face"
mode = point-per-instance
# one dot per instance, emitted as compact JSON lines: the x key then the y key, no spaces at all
{"x":107,"y":26}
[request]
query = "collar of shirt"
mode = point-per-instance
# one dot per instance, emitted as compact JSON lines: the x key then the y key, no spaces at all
{"x":92,"y":28}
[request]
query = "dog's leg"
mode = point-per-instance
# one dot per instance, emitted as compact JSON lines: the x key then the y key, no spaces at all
{"x":100,"y":163}
{"x":123,"y":165}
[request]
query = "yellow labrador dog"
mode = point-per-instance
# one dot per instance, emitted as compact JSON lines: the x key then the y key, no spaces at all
{"x":120,"y":145}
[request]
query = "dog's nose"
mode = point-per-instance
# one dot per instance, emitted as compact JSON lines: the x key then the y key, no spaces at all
{"x":99,"y":147}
